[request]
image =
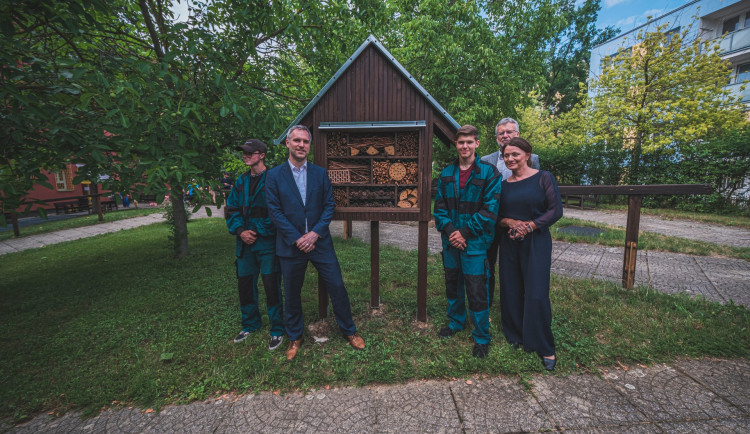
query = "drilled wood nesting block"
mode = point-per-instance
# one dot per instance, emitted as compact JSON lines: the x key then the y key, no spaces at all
{"x":339,"y":176}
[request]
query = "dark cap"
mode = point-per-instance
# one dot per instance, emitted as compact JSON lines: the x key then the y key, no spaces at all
{"x":252,"y":145}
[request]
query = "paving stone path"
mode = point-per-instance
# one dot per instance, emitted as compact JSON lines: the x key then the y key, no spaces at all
{"x":687,"y":396}
{"x":715,"y":278}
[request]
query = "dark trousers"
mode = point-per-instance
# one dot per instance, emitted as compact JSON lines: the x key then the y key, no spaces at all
{"x":249,"y":266}
{"x":293,"y":272}
{"x":524,"y":291}
{"x":493,"y":258}
{"x":466,"y":277}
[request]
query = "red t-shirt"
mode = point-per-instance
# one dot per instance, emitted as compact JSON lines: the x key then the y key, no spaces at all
{"x":463,"y":176}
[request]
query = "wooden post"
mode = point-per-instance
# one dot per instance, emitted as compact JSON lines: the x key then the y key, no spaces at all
{"x":322,"y":299}
{"x":631,"y":240}
{"x":374,"y":265}
{"x":422,"y":272}
{"x":347,"y":229}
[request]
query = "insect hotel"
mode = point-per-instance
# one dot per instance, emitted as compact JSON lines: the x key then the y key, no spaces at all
{"x":372,"y":127}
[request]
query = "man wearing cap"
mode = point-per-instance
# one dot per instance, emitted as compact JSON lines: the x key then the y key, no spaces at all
{"x":247,"y":218}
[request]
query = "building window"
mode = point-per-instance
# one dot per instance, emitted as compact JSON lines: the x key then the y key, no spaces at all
{"x":670,"y":34}
{"x":731,"y":24}
{"x":743,"y":73}
{"x":64,"y":180}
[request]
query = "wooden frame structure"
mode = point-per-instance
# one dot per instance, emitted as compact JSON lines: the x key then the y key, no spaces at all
{"x":635,"y":195}
{"x":373,"y":123}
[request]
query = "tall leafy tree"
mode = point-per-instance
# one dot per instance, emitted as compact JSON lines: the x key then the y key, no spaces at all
{"x":41,"y":80}
{"x":124,"y":88}
{"x":566,"y":63}
{"x":660,"y":92}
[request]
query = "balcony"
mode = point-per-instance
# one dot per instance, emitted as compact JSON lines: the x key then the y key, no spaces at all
{"x":736,"y":41}
{"x":744,"y":94}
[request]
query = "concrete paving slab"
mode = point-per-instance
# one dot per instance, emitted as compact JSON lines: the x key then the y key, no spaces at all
{"x":498,"y":405}
{"x":731,"y":425}
{"x":678,"y":273}
{"x":729,"y":379}
{"x":423,"y":407}
{"x":584,"y":402}
{"x":199,"y":417}
{"x":663,"y":394}
{"x":730,"y":277}
{"x":43,"y":424}
{"x":578,"y":260}
{"x":640,"y":428}
{"x":267,"y":412}
{"x":335,"y":411}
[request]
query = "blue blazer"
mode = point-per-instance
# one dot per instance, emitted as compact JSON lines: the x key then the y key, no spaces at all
{"x":288,"y":212}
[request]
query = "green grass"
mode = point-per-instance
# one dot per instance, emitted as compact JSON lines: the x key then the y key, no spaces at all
{"x":614,"y":236}
{"x":77,"y":222}
{"x":742,"y":221}
{"x":87,"y":324}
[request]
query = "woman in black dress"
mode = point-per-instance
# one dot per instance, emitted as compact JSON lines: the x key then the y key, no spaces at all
{"x":529,"y":205}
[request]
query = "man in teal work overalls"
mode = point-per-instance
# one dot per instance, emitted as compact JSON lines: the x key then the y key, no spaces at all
{"x":247,"y":218}
{"x":466,"y":208}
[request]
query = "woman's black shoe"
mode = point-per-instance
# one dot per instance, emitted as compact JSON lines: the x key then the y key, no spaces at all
{"x":515,"y":345}
{"x":549,"y":364}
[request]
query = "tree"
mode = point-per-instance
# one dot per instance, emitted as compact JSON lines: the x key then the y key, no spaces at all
{"x":661,"y":92}
{"x":478,"y":59}
{"x":149,"y":101}
{"x":566,"y":63}
{"x":40,"y":87}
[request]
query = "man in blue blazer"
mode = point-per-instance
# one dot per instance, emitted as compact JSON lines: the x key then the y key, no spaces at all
{"x":300,"y":202}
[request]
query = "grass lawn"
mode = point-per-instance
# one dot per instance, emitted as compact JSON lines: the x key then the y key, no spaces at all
{"x":113,"y":319}
{"x":739,"y":220}
{"x":614,"y":236}
{"x":77,"y":222}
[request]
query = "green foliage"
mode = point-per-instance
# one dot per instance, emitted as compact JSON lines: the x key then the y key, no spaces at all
{"x":478,"y":60}
{"x":98,"y":324}
{"x":659,"y":93}
{"x":568,"y":53}
{"x":40,"y":87}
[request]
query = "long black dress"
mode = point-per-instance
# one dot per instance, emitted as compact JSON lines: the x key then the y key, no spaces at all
{"x":525,"y":264}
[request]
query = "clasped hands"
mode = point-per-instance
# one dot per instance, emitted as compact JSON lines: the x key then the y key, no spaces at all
{"x":249,"y":237}
{"x":306,"y":243}
{"x":457,"y":240}
{"x":518,"y":229}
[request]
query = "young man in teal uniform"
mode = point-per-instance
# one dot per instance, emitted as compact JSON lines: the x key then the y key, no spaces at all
{"x":247,"y":218}
{"x":466,"y":207}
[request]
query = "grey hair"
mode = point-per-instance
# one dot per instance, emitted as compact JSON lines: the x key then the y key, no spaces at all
{"x":298,"y":127}
{"x":504,"y":121}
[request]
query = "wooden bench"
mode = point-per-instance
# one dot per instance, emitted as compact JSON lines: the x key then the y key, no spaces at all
{"x":147,"y":198}
{"x":108,"y":204}
{"x":66,"y":206}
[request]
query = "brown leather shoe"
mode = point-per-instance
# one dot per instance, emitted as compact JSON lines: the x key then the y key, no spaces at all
{"x":356,"y":341}
{"x":294,"y":346}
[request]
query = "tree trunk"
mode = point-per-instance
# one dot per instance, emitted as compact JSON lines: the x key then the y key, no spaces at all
{"x":635,"y":162}
{"x":97,"y":201}
{"x":179,"y":223}
{"x":14,"y":222}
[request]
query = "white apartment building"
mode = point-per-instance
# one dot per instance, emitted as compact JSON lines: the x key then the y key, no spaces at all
{"x":710,"y":20}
